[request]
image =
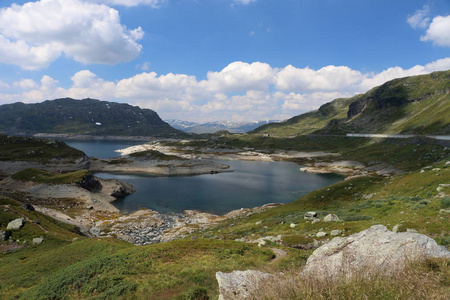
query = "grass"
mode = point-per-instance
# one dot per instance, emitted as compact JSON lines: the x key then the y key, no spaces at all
{"x":154,"y":155}
{"x":42,"y":176}
{"x":419,"y":280}
{"x":37,"y":150}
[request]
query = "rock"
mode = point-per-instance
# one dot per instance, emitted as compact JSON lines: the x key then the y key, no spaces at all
{"x":16,"y":224}
{"x":335,"y":232}
{"x":422,"y":171}
{"x":331,"y":218}
{"x":258,"y":223}
{"x":293,"y":225}
{"x":373,"y":250}
{"x":240,"y":284}
{"x":315,"y":221}
{"x":4,"y":235}
{"x":396,"y":228}
{"x":321,"y":234}
{"x":310,"y":215}
{"x":28,"y":207}
{"x":37,"y":241}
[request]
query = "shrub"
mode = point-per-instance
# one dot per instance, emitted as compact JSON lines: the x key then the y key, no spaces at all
{"x":445,"y":202}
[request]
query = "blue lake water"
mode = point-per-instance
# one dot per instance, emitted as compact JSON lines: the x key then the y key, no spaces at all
{"x":250,"y":184}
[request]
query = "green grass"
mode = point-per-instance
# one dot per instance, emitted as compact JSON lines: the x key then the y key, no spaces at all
{"x":41,"y":176}
{"x":154,"y":155}
{"x":37,"y":150}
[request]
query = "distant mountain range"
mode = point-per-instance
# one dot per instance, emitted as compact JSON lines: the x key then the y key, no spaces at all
{"x":410,"y":105}
{"x":87,"y":116}
{"x":211,"y":127}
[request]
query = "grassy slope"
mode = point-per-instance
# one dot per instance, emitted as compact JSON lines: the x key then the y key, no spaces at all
{"x":413,"y":105}
{"x":39,"y":150}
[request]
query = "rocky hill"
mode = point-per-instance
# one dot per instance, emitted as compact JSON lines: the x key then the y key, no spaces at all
{"x":410,"y":105}
{"x":212,"y":127}
{"x":87,"y":116}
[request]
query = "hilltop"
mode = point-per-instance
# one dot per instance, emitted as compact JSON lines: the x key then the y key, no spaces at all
{"x":87,"y":117}
{"x":410,"y":105}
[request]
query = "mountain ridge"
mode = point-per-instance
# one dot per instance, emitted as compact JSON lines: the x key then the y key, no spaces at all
{"x":410,"y":105}
{"x":87,"y":116}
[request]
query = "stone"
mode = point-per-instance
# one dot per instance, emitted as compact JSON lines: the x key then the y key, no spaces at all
{"x":28,"y":207}
{"x":4,"y":235}
{"x":396,"y":228}
{"x":331,"y":218}
{"x":37,"y":241}
{"x":315,"y":221}
{"x":335,"y":232}
{"x":16,"y":224}
{"x":258,"y":223}
{"x":371,"y":251}
{"x":310,"y":215}
{"x":240,"y":284}
{"x":321,"y":234}
{"x":293,"y":225}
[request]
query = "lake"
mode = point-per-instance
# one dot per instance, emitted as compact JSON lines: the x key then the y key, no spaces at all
{"x":251,"y":184}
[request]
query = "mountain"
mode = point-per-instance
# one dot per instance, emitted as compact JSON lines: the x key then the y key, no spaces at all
{"x":410,"y":105}
{"x":87,"y":116}
{"x":211,"y":127}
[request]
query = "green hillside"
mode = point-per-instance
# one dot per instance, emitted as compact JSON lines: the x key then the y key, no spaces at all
{"x":87,"y":116}
{"x":411,"y":105}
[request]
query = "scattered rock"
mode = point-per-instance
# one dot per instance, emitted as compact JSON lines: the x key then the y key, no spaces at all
{"x":310,"y":216}
{"x":371,"y":251}
{"x":258,"y":223}
{"x":321,"y":234}
{"x":37,"y":241}
{"x":16,"y":224}
{"x":240,"y":284}
{"x":331,"y":218}
{"x":335,"y":232}
{"x":28,"y":207}
{"x":4,"y":235}
{"x":315,"y":221}
{"x":396,"y":228}
{"x":293,"y":225}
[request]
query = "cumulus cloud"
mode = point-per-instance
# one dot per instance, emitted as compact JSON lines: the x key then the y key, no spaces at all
{"x":37,"y":33}
{"x":240,"y":91}
{"x":420,"y":19}
{"x":3,"y":86}
{"x":438,"y":32}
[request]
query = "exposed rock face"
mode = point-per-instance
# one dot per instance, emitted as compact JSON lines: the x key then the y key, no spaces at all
{"x":239,"y":284}
{"x":376,"y":249}
{"x":331,"y":218}
{"x":15,"y":224}
{"x":4,"y":235}
{"x":28,"y":207}
{"x":310,"y":215}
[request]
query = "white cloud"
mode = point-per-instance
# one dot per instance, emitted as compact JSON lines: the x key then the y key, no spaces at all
{"x":439,"y":31}
{"x":420,"y":19}
{"x":241,"y":91}
{"x":37,"y":33}
{"x":25,"y":84}
{"x":329,"y":78}
{"x":152,"y":3}
{"x":3,"y":86}
{"x":240,"y":76}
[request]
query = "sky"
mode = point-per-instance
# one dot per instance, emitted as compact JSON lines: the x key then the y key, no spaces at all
{"x":210,"y":60}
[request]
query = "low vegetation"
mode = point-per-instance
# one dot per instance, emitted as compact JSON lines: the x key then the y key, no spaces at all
{"x":41,"y":176}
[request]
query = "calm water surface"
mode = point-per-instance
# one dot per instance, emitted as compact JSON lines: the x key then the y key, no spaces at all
{"x":250,"y":184}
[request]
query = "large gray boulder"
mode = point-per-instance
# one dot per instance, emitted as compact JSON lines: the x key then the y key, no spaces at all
{"x":375,"y":250}
{"x":240,"y":284}
{"x":16,"y":224}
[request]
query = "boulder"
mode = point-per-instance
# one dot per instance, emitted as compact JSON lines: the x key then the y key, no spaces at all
{"x":335,"y":232}
{"x":16,"y":224}
{"x":4,"y":235}
{"x":374,"y":250}
{"x":321,"y":234}
{"x":240,"y":284}
{"x":28,"y":207}
{"x":37,"y":241}
{"x":310,"y":215}
{"x":331,"y":218}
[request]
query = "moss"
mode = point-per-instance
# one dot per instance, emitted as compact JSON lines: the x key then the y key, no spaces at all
{"x":41,"y":176}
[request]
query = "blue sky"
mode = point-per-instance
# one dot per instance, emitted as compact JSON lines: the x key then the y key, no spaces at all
{"x":206,"y":60}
